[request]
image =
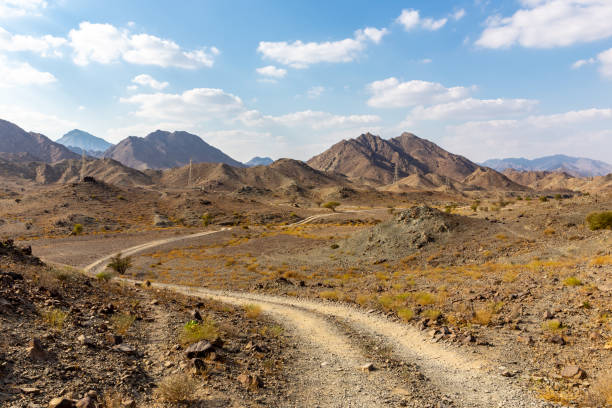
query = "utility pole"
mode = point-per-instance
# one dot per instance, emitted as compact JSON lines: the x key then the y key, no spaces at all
{"x":83,"y":165}
{"x":189,"y":181}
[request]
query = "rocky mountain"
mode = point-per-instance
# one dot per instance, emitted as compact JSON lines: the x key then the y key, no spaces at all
{"x":372,"y":160}
{"x":14,"y":139}
{"x":282,"y":176}
{"x":162,"y":149}
{"x":69,"y":171}
{"x":80,"y":141}
{"x":575,"y":166}
{"x":259,"y":161}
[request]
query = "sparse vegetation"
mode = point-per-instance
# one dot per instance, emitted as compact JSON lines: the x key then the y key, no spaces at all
{"x":329,"y":295}
{"x":206,"y":219}
{"x":252,"y":311}
{"x":553,"y":325}
{"x":601,"y":392}
{"x":599,"y":220}
{"x":120,"y":264}
{"x":331,"y":205}
{"x":122,"y":322}
{"x":105,"y":276}
{"x":77,"y":229}
{"x":176,"y":388}
{"x":572,"y":281}
{"x":54,"y":318}
{"x":194,"y":331}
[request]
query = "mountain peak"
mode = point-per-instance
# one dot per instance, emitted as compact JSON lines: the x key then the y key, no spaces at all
{"x":79,"y":140}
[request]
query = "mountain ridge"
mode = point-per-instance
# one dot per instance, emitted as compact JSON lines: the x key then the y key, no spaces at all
{"x":576,"y":166}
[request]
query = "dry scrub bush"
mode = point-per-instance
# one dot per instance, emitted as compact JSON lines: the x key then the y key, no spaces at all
{"x":252,"y":311}
{"x":424,"y":298}
{"x":329,"y":295}
{"x":572,"y":281}
{"x":194,"y":331}
{"x":553,"y":326}
{"x":601,"y":260}
{"x":176,"y":388}
{"x":112,"y":400}
{"x":54,"y":318}
{"x":405,"y":314}
{"x":122,"y":323}
{"x":599,"y":221}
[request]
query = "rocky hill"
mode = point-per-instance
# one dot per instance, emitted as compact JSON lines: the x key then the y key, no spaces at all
{"x":14,"y":139}
{"x":575,"y":166}
{"x":80,"y":141}
{"x":372,"y":160}
{"x":162,"y":150}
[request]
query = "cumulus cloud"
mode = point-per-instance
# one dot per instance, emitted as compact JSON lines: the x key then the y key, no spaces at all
{"x":45,"y":46}
{"x":573,"y":132}
{"x":194,"y":104}
{"x":411,"y":19}
{"x":458,"y":15}
{"x":605,"y":59}
{"x":14,"y":73}
{"x":105,"y":43}
{"x":148,"y":80}
{"x":301,"y":55}
{"x":474,"y":109}
{"x":313,"y":119}
{"x":391,"y":93}
{"x":550,"y":23}
{"x":272,"y":71}
{"x":583,"y":62}
{"x":21,"y":8}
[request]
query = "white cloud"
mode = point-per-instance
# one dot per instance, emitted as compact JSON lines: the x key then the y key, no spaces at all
{"x":426,"y":61}
{"x":194,"y":104}
{"x":315,"y":92}
{"x":458,"y":15}
{"x":301,"y":55}
{"x":148,"y":80}
{"x":373,"y":34}
{"x":45,"y":46}
{"x":574,"y":133}
{"x":473,"y":109}
{"x":582,"y":62}
{"x":21,"y":8}
{"x":550,"y":23}
{"x":22,"y":74}
{"x":605,"y":59}
{"x":104,"y":43}
{"x":411,"y":19}
{"x":391,"y":93}
{"x":47,"y":124}
{"x":272,"y":71}
{"x":313,"y":119}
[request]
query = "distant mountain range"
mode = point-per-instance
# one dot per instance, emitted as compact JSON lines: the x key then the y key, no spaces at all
{"x":575,"y":166}
{"x":79,"y":141}
{"x":162,"y":150}
{"x":14,"y":139}
{"x":259,"y":161}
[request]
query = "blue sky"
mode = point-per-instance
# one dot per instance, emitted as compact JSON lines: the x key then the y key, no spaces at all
{"x":288,"y":79}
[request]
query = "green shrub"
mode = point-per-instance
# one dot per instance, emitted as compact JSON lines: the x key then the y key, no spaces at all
{"x":405,"y":314}
{"x":600,"y":220}
{"x":54,"y":318}
{"x":331,"y":205}
{"x":572,"y":281}
{"x":105,"y":276}
{"x":206,"y":219}
{"x":122,"y":322}
{"x":120,"y":264}
{"x":77,"y":229}
{"x":194,"y":331}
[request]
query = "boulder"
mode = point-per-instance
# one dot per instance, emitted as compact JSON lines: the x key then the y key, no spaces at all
{"x":573,"y":371}
{"x":61,"y":402}
{"x":199,"y":349}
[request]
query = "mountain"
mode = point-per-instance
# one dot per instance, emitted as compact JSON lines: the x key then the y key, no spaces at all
{"x":78,"y":141}
{"x":575,"y":166}
{"x":286,"y":176}
{"x":161,"y":150}
{"x":14,"y":139}
{"x":259,"y":161}
{"x":69,"y":171}
{"x":372,"y":160}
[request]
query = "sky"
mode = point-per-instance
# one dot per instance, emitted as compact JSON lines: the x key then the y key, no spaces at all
{"x":485,"y":79}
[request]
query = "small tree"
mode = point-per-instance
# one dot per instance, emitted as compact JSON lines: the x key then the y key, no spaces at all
{"x":120,"y":264}
{"x":331,"y":205}
{"x":600,"y":220}
{"x":206,"y":219}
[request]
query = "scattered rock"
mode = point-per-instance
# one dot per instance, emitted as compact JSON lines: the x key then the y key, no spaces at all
{"x":61,"y":402}
{"x":250,"y":381}
{"x":573,"y":371}
{"x":199,"y":349}
{"x":195,"y":315}
{"x":86,"y":402}
{"x":368,"y":367}
{"x":557,"y":339}
{"x":124,"y":348}
{"x":36,"y":350}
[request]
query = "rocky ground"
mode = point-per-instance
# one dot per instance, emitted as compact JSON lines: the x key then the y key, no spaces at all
{"x":69,"y":340}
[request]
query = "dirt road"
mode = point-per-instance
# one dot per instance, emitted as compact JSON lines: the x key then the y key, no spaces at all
{"x":329,"y":373}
